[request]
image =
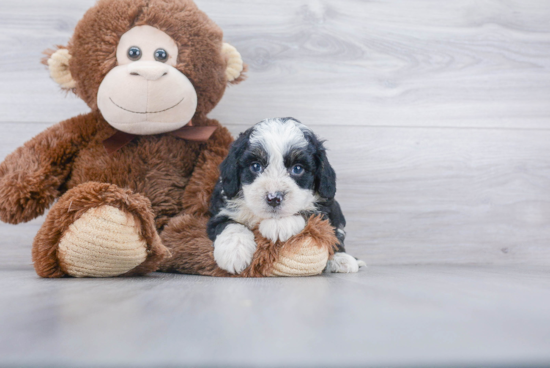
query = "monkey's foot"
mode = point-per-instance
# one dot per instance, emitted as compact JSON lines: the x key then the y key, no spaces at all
{"x":98,"y":230}
{"x":307,"y":259}
{"x":104,"y":242}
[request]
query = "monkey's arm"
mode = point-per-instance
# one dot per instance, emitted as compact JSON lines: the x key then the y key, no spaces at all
{"x":196,"y":199}
{"x":31,"y":177}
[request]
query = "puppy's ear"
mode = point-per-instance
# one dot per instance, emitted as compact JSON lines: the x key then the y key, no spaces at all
{"x":230,"y":170}
{"x":325,"y":178}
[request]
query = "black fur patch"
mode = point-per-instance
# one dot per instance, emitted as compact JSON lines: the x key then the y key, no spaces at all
{"x":230,"y":170}
{"x":325,"y":177}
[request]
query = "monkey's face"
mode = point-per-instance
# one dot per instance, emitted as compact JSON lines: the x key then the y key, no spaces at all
{"x":145,"y":94}
{"x":149,"y":66}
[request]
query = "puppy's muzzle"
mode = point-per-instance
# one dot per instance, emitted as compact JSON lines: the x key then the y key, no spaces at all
{"x":274,"y":199}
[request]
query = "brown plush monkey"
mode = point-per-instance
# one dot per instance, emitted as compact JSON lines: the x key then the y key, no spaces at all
{"x":146,"y":68}
{"x":135,"y":175}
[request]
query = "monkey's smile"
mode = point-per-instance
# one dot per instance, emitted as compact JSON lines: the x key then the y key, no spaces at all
{"x":146,"y":112}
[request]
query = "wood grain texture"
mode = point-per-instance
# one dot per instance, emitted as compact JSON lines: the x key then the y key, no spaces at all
{"x":387,"y":316}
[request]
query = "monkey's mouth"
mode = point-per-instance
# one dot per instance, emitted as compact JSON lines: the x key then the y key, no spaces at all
{"x":146,"y":112}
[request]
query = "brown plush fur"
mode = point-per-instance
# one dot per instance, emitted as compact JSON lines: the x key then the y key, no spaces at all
{"x":193,"y":253}
{"x":174,"y":175}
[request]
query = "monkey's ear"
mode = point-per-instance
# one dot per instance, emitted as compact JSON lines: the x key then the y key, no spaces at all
{"x":58,"y":63}
{"x":235,"y":65}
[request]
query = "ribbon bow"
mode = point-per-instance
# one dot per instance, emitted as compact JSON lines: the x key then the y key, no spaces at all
{"x":188,"y":132}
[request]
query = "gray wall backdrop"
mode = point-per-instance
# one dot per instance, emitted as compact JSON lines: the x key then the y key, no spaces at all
{"x":437,"y":113}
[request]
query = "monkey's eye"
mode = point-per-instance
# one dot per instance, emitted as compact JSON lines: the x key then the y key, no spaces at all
{"x":297,"y":170}
{"x":161,"y":55}
{"x":256,"y":168}
{"x":134,"y":53}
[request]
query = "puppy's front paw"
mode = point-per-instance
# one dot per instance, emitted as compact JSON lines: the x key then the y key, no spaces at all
{"x":234,"y":248}
{"x":282,"y":229}
{"x":344,"y":263}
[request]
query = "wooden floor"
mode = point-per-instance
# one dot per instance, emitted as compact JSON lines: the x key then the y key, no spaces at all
{"x":387,"y":316}
{"x":437,"y":116}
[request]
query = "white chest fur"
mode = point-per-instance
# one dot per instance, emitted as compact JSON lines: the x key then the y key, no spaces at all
{"x":282,"y":229}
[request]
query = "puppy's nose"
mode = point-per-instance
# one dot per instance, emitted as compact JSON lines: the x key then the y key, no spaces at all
{"x":274,"y":199}
{"x":149,"y":70}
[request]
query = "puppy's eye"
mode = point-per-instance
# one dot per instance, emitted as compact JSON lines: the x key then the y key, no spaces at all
{"x":256,"y":168}
{"x":161,"y":55}
{"x":134,"y":53}
{"x":297,"y":170}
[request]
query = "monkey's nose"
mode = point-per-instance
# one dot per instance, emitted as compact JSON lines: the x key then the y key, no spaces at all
{"x":275,"y":199}
{"x":150,"y":70}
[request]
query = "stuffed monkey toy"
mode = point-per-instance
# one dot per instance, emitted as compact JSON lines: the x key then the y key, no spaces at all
{"x":150,"y":71}
{"x":132,"y":178}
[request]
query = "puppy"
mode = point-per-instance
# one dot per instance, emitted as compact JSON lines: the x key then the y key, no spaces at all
{"x":275,"y":176}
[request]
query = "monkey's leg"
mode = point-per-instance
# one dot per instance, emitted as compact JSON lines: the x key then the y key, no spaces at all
{"x":98,"y":230}
{"x":192,"y":251}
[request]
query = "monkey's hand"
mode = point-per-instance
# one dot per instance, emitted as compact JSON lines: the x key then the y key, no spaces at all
{"x":31,"y":177}
{"x":26,"y":188}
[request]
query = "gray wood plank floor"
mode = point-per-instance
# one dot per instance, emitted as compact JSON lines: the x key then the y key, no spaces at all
{"x":437,"y":116}
{"x":421,"y":316}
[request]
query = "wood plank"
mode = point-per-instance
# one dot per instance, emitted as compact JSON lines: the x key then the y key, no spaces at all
{"x":391,"y":316}
{"x":348,"y":62}
{"x":417,"y":196}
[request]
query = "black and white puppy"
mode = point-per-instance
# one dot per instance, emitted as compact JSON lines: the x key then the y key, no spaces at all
{"x":275,"y":176}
